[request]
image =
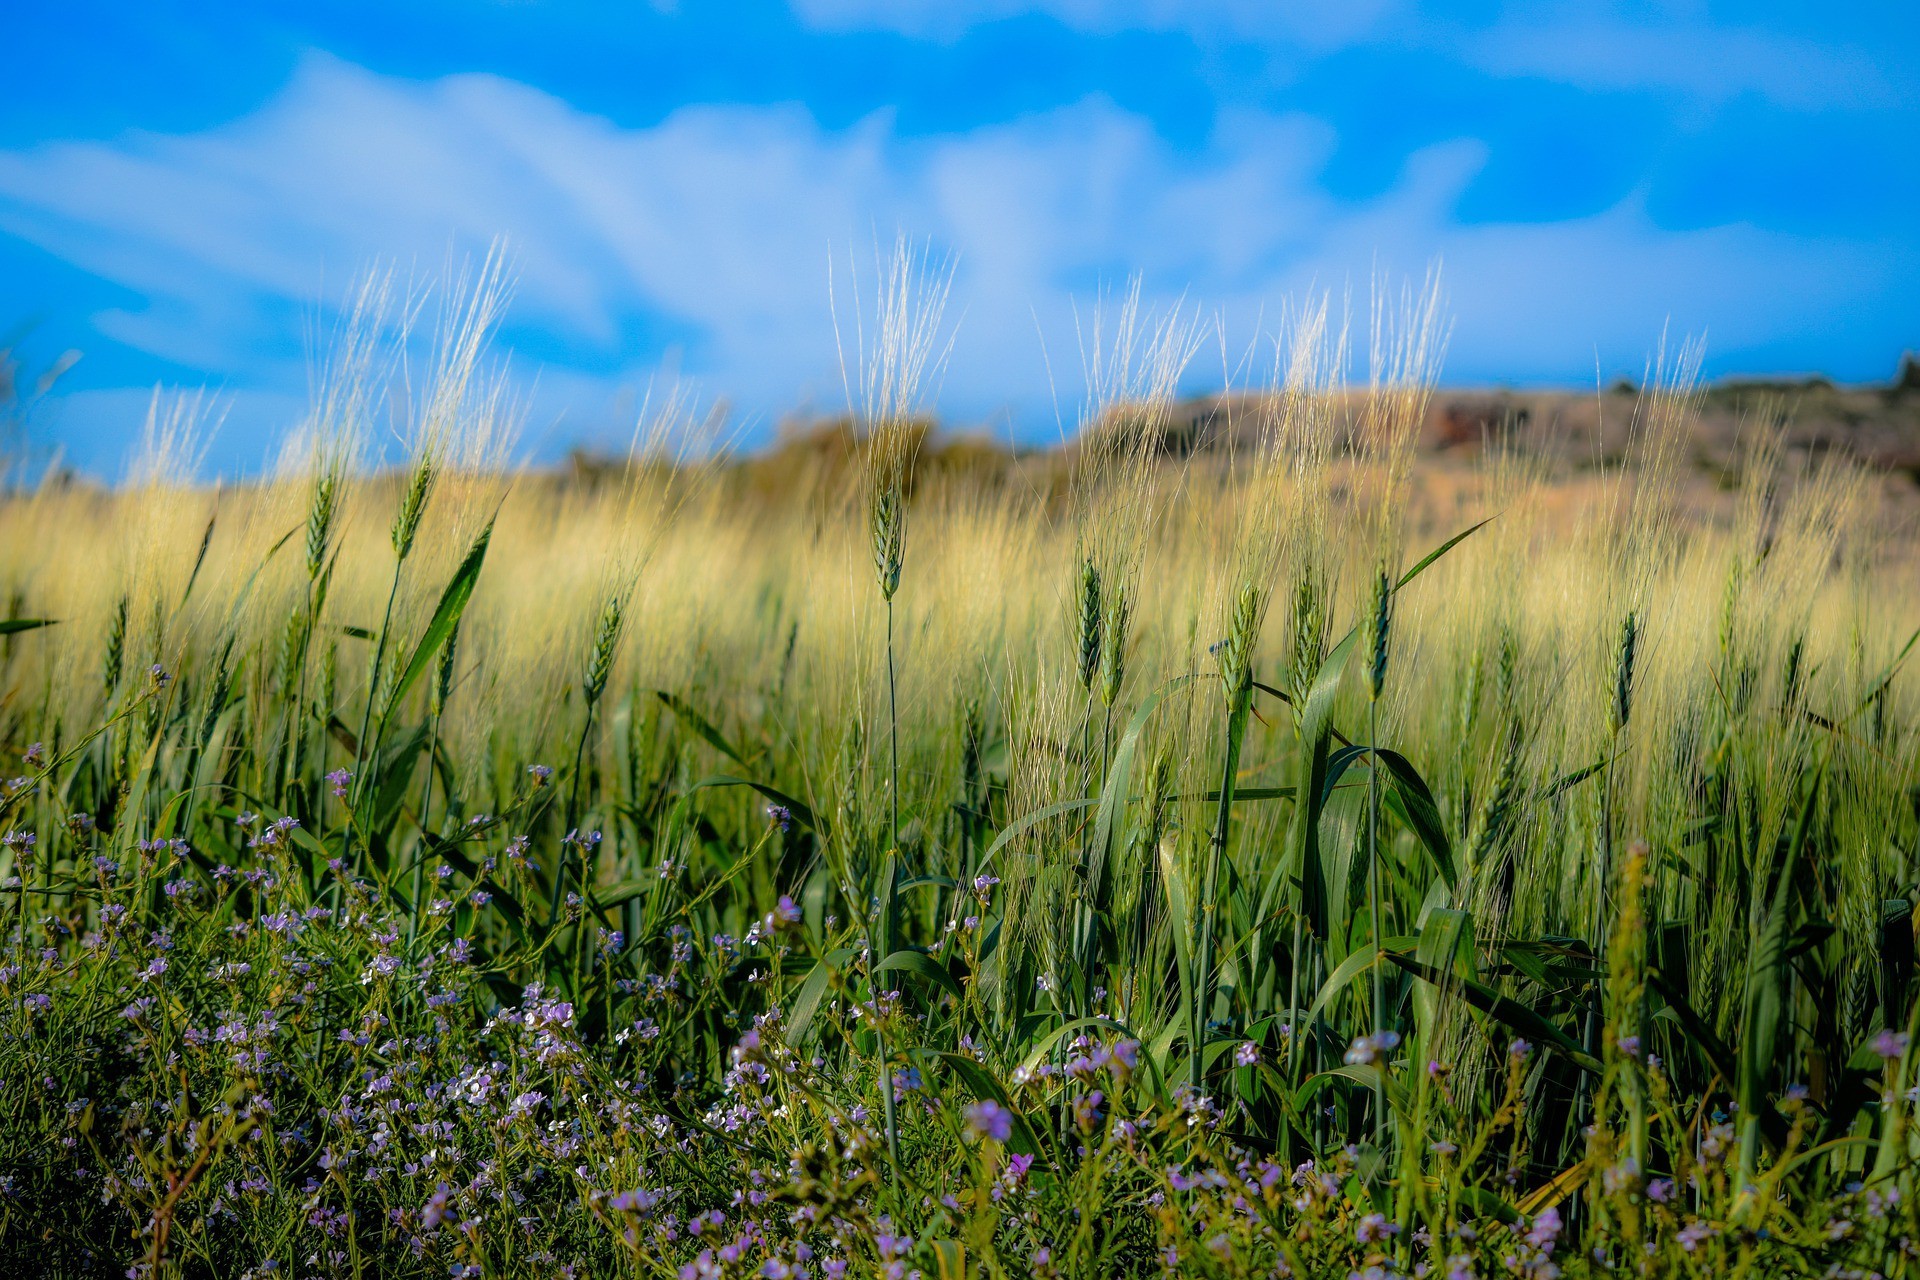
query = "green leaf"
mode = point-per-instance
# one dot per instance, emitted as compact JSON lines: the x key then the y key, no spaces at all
{"x":395,"y":774}
{"x":700,"y":725}
{"x":886,"y":916}
{"x":1113,"y":796}
{"x":949,"y":1259}
{"x":1421,"y":815}
{"x":1501,"y":1008}
{"x":1486,"y":1204}
{"x":625,"y":891}
{"x":919,"y":962}
{"x":206,"y":540}
{"x":1337,"y":765}
{"x":806,"y":1001}
{"x":1340,"y":737}
{"x":446,"y":616}
{"x":1442,"y":933}
{"x":1427,"y":560}
{"x":1173,"y":883}
{"x":801,"y":813}
{"x":1366,"y":1076}
{"x":1719,"y":1058}
{"x":236,"y":607}
{"x":1886,"y":677}
{"x":1769,"y":995}
{"x":985,"y":1088}
{"x":1029,"y":821}
{"x":1361,"y":960}
{"x":14,"y":625}
{"x":1568,"y":781}
{"x":1303,"y":837}
{"x":1241,"y":795}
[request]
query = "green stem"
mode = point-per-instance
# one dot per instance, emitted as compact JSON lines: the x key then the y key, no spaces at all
{"x":294,"y":726}
{"x":573,"y":807}
{"x":1606,"y":848}
{"x":361,"y":755}
{"x":426,"y":801}
{"x":1239,"y":701}
{"x":892,"y":871}
{"x":1379,"y":939}
{"x":1080,"y":981}
{"x":893,"y":739}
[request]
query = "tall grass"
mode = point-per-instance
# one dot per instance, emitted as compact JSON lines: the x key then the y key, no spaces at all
{"x":452,"y":867}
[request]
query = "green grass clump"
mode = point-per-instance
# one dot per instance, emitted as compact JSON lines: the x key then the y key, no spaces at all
{"x":1237,"y":865}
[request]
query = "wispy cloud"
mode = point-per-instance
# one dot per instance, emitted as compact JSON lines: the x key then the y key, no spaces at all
{"x":706,"y":238}
{"x":1693,"y":61}
{"x":1310,"y":25}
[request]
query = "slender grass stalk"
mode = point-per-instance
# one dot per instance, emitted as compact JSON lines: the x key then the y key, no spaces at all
{"x":114,"y":661}
{"x":406,"y":528}
{"x":1087,"y":620}
{"x":1379,"y":620}
{"x":1113,"y":659}
{"x":362,"y":749}
{"x":894,"y":373}
{"x":436,"y":712}
{"x":322,"y":507}
{"x":1626,"y":656}
{"x":1627,"y":997}
{"x":887,"y":523}
{"x":606,"y":644}
{"x":893,"y":737}
{"x":1236,"y":676}
{"x":1308,"y":648}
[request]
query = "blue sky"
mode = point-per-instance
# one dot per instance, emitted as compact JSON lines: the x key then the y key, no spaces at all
{"x":188,"y":191}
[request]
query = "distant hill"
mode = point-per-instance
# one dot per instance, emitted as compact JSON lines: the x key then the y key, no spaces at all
{"x":1877,"y":425}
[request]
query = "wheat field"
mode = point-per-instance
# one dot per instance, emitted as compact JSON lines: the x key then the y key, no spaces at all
{"x":1271,"y":857}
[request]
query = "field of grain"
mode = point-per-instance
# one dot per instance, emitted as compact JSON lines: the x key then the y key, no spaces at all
{"x":1268,"y":857}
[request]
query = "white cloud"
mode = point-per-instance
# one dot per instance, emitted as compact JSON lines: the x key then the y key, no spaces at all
{"x":1316,"y":26}
{"x":1693,"y":61}
{"x":719,"y":222}
{"x":1578,"y":42}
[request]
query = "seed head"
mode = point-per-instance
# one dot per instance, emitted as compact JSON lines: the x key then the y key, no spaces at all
{"x":1507,"y":669}
{"x":1730,"y":609}
{"x":1089,"y":623}
{"x":1379,"y":624}
{"x":605,"y":642}
{"x":116,"y":647}
{"x":1243,"y":634}
{"x":1793,"y":676}
{"x":413,"y":504}
{"x":1469,"y":714}
{"x":292,"y":649}
{"x":329,"y":678}
{"x":1623,"y":670}
{"x":1113,"y":641}
{"x":321,"y":506}
{"x":887,"y":523}
{"x":1496,"y":817}
{"x":1309,"y":636}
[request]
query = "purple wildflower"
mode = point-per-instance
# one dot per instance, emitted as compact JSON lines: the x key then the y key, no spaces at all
{"x":988,"y":1119}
